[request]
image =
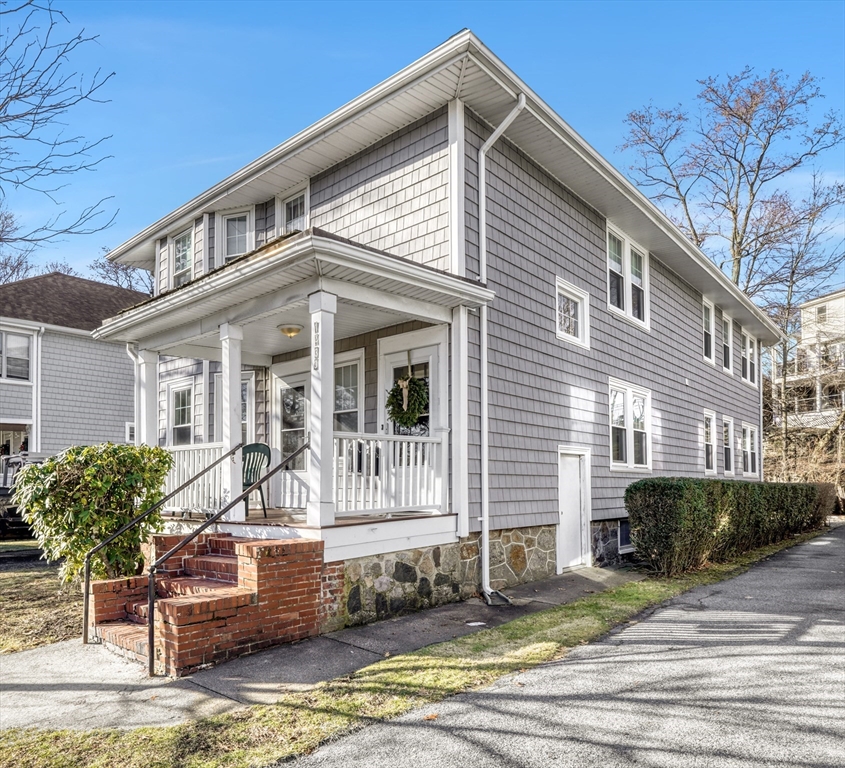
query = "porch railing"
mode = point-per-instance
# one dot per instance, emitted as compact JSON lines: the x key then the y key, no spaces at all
{"x":388,"y":473}
{"x":206,"y":493}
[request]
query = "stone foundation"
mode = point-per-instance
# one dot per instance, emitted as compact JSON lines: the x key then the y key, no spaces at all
{"x":604,"y":541}
{"x":371,"y":588}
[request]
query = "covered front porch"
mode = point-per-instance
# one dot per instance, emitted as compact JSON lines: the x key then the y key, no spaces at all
{"x":300,"y":342}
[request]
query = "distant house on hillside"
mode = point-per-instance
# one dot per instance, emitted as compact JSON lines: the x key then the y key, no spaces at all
{"x":58,"y":386}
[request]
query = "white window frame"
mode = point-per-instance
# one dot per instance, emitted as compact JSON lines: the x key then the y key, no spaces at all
{"x":281,"y":205}
{"x":821,"y":314}
{"x":171,"y":248}
{"x":728,"y":470}
{"x":565,"y":288}
{"x":713,"y":442}
{"x":627,"y":246}
{"x":4,"y":378}
{"x":749,"y":344}
{"x":347,"y":358}
{"x":249,"y":378}
{"x":706,"y":304}
{"x":129,"y":432}
{"x":751,"y":446}
{"x":630,"y":390}
{"x":174,"y":386}
{"x":730,"y":344}
{"x":623,"y":549}
{"x":220,"y":233}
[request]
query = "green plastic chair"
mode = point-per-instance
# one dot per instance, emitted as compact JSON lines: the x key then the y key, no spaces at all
{"x":256,"y":458}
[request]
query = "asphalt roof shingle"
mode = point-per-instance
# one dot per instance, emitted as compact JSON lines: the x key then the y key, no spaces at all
{"x":64,"y":300}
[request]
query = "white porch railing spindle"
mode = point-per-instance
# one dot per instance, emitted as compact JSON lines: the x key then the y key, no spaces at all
{"x":188,"y":460}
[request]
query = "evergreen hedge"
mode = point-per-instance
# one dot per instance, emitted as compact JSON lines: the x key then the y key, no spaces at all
{"x":678,"y":524}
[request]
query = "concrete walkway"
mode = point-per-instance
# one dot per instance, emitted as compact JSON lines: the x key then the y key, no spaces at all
{"x":70,"y":685}
{"x":745,"y":673}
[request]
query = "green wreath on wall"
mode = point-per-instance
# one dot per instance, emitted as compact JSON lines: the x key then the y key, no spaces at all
{"x":407,"y":400}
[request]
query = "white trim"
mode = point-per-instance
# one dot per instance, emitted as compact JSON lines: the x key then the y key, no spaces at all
{"x":726,"y":318}
{"x":129,"y":432}
{"x":347,"y":358}
{"x":220,"y":232}
{"x":583,"y":298}
{"x":629,"y":390}
{"x":459,"y":412}
{"x":585,"y":455}
{"x":749,"y":343}
{"x":457,"y":187}
{"x":29,"y":325}
{"x":178,"y":385}
{"x":713,"y":442}
{"x":629,"y":245}
{"x":706,"y":303}
{"x":171,"y":256}
{"x":303,"y":190}
{"x":753,"y":448}
{"x":32,"y":350}
{"x":732,"y":444}
{"x":206,"y":219}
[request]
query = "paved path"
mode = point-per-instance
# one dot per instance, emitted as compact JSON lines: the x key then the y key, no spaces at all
{"x":70,"y":685}
{"x":745,"y":673}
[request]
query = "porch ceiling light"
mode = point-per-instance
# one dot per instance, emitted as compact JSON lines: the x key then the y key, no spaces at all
{"x":290,"y":330}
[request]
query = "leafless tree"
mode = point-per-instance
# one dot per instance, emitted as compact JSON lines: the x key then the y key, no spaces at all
{"x":38,"y":88}
{"x":121,"y":275}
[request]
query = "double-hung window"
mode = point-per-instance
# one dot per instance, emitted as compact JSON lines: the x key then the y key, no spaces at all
{"x":182,"y":257}
{"x":627,"y":277}
{"x":347,"y":397}
{"x":15,"y":354}
{"x":708,"y":317}
{"x":294,"y":214}
{"x":821,"y":314}
{"x":748,"y":346}
{"x":247,"y":409}
{"x":749,"y":450}
{"x":181,"y":429}
{"x":573,"y":314}
{"x":727,"y":343}
{"x":727,"y":444}
{"x":709,"y":442}
{"x":630,"y":426}
{"x":236,"y":231}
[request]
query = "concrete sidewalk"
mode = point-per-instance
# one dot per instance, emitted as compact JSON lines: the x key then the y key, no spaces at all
{"x":70,"y":685}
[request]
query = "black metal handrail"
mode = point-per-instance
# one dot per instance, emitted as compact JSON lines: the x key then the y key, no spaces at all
{"x":151,"y":590}
{"x":131,"y":524}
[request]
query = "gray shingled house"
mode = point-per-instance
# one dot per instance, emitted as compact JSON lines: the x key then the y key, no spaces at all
{"x":448,"y":223}
{"x":58,"y":386}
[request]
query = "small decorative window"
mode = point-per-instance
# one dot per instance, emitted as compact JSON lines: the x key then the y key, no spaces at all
{"x":294,"y":212}
{"x":727,"y":444}
{"x":236,"y":235}
{"x":629,"y":426}
{"x":627,"y":277}
{"x":573,"y":314}
{"x":709,"y":442}
{"x":182,"y":425}
{"x":182,"y":258}
{"x":15,"y":355}
{"x":129,"y":432}
{"x":727,"y":343}
{"x":707,"y":314}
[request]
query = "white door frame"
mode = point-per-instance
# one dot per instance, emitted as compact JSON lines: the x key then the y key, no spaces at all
{"x":586,"y":504}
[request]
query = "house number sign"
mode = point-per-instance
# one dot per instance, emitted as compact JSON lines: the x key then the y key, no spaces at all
{"x":316,"y":345}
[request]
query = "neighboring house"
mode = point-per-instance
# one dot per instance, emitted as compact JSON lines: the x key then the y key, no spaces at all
{"x":58,"y":386}
{"x":573,"y":340}
{"x":815,"y":376}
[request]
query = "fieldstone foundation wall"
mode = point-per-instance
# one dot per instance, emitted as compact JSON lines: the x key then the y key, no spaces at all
{"x":367,"y":589}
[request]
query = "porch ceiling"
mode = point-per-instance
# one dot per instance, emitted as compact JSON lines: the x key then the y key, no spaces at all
{"x":270,"y":287}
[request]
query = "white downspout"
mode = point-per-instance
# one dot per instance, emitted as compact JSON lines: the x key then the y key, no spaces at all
{"x":486,"y":591}
{"x":35,"y":437}
{"x":132,"y":352}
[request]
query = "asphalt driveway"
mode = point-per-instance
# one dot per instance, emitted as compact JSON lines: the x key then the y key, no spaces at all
{"x":747,"y":672}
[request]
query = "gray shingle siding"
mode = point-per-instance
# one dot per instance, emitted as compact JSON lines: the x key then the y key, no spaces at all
{"x":394,"y":195}
{"x":545,"y":392}
{"x":87,"y":391}
{"x":15,"y":402}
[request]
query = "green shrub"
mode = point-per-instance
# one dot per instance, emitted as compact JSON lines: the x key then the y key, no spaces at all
{"x":678,"y":524}
{"x":76,"y":499}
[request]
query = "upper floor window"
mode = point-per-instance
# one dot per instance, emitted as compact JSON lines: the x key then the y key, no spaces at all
{"x":727,"y":444}
{"x":630,"y":426}
{"x":182,"y":257}
{"x":627,"y":277}
{"x":709,"y":442}
{"x":708,"y":319}
{"x":748,"y":346}
{"x":727,"y":343}
{"x":573,"y":314}
{"x":294,"y":214}
{"x":236,"y":234}
{"x":821,"y":313}
{"x":15,"y":353}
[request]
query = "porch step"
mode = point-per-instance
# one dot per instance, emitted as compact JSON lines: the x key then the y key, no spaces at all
{"x":201,"y":593}
{"x":225,"y":545}
{"x":126,"y":637}
{"x":220,"y":567}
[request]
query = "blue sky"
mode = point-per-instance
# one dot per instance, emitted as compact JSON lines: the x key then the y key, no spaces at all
{"x":202,"y":88}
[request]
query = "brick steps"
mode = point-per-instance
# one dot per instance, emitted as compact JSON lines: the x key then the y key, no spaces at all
{"x":220,"y":567}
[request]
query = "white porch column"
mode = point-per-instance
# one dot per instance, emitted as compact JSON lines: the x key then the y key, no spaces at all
{"x":147,"y":372}
{"x":323,"y":307}
{"x":232,"y":474}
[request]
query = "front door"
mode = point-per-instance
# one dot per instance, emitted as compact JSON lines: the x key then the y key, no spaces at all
{"x":573,"y":507}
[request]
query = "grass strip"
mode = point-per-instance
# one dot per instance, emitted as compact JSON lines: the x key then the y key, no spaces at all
{"x":299,"y":722}
{"x":35,"y":609}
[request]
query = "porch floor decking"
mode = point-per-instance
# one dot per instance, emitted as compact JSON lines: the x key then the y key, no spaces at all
{"x":295,"y":518}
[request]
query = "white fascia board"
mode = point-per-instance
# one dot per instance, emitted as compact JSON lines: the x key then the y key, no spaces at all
{"x":31,"y":325}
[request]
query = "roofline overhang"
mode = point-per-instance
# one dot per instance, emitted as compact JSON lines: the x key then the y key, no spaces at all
{"x":283,"y":254}
{"x":35,"y":325}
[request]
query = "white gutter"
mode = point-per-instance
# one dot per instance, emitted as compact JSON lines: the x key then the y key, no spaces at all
{"x":486,"y":591}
